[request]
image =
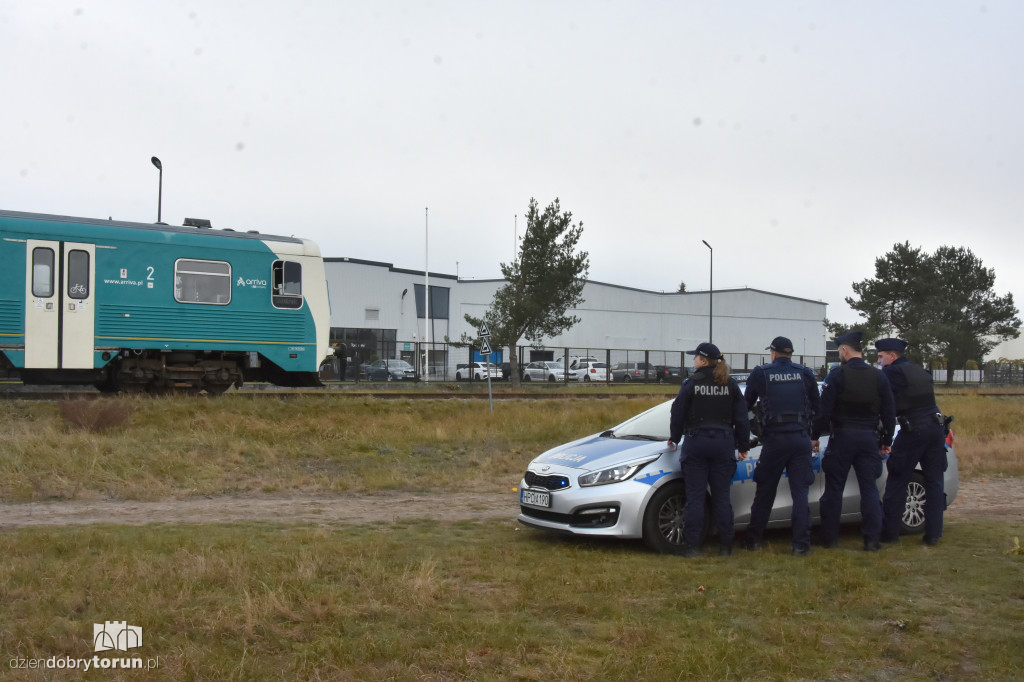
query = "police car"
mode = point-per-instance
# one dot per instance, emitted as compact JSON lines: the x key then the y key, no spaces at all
{"x":625,"y":482}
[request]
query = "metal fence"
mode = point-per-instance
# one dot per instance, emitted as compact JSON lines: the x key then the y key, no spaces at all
{"x":446,"y":362}
{"x":1004,"y":374}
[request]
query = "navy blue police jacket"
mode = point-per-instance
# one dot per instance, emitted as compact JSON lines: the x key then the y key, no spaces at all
{"x":810,"y":401}
{"x":922,"y":403}
{"x":833,"y":388}
{"x":740,"y":426}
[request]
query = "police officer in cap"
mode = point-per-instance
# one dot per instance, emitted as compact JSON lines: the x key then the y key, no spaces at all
{"x":710,"y":411}
{"x":857,"y":403}
{"x":788,"y":393}
{"x":922,"y":439}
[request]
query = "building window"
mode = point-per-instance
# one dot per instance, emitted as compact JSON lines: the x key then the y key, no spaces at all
{"x":78,"y":274}
{"x":438,"y":302}
{"x":42,"y":272}
{"x":202,"y":281}
{"x":372,"y":314}
{"x":287,"y":290}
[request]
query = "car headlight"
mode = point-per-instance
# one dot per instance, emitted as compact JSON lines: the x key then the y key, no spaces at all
{"x":622,"y":472}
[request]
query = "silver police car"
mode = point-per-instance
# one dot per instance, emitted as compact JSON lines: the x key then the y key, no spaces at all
{"x":625,"y":482}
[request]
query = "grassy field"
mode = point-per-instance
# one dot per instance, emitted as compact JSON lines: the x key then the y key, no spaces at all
{"x":478,"y":601}
{"x":154,"y":448}
{"x":488,"y":601}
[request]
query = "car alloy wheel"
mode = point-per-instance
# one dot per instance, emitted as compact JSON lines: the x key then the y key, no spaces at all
{"x":664,"y":519}
{"x":913,"y":513}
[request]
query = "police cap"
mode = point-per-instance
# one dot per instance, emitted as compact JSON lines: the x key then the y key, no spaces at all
{"x":851,"y":339}
{"x":781,"y":344}
{"x":707,"y":350}
{"x":895,"y":345}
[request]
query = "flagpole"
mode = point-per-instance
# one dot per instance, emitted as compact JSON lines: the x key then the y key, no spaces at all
{"x":426,"y":290}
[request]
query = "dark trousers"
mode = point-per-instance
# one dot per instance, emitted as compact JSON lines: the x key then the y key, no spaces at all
{"x":709,"y":460}
{"x":857,"y":448}
{"x":925,"y":444}
{"x":788,"y":451}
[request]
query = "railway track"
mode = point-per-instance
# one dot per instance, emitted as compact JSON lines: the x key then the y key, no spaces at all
{"x":12,"y":390}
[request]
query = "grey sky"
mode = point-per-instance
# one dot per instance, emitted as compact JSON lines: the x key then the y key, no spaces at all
{"x":801,"y":139}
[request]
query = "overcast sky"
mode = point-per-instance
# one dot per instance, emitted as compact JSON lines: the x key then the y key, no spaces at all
{"x":800,"y":139}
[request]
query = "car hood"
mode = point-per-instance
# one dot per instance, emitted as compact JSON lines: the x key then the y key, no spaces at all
{"x":595,"y":452}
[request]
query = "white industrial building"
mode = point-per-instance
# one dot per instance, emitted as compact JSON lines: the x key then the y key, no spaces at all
{"x":377,"y":310}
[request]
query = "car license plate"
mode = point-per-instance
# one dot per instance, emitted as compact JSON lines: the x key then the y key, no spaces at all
{"x":535,"y":498}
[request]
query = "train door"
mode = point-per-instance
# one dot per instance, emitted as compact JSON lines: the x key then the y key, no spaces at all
{"x":59,"y":310}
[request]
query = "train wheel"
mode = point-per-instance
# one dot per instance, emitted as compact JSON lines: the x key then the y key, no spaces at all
{"x":216,"y":388}
{"x":108,"y":385}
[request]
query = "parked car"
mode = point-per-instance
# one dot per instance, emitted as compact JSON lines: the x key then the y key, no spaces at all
{"x":625,"y":482}
{"x":547,"y":370}
{"x":587,"y":372}
{"x":577,"y":361}
{"x":479,"y":371}
{"x":390,"y":370}
{"x":634,"y":371}
{"x":669,"y":375}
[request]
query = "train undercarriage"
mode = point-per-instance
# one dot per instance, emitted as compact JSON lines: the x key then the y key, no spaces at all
{"x":174,"y":372}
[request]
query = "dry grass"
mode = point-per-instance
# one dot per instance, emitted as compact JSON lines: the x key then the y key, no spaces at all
{"x":988,"y":432}
{"x":186,"y":446}
{"x":426,"y":601}
{"x":95,"y":416}
{"x":154,"y":448}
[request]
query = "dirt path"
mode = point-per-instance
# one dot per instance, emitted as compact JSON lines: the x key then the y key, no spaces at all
{"x":351,"y":509}
{"x":987,"y":498}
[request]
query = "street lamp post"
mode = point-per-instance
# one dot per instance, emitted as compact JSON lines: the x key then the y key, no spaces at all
{"x":711,"y":293}
{"x":160,"y":195}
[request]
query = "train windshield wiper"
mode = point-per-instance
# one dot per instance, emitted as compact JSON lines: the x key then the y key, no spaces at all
{"x":608,"y":434}
{"x":642,"y":436}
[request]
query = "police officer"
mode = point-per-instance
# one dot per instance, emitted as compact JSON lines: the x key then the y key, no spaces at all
{"x":789,"y":399}
{"x":710,"y":411}
{"x":854,"y":399}
{"x":922,"y":439}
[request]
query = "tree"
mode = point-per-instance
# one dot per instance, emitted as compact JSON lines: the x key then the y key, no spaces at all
{"x":941,"y":304}
{"x":682,"y":287}
{"x":544,"y":282}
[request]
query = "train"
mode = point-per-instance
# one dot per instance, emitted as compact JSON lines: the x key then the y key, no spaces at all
{"x":154,"y":308}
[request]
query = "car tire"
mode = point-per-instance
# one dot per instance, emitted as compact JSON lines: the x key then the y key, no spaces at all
{"x":458,"y":376}
{"x":477,"y":377}
{"x":526,"y":377}
{"x":586,"y":378}
{"x":626,"y":378}
{"x":664,"y":519}
{"x":551,"y":378}
{"x":912,"y":521}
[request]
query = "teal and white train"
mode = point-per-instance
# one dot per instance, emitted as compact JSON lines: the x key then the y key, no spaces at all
{"x":153,"y":307}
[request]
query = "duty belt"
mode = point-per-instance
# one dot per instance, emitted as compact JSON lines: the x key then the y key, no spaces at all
{"x":911,"y":425}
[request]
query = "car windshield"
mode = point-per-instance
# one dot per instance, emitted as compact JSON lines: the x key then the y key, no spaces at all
{"x":652,"y":424}
{"x":399,"y":364}
{"x":554,"y":364}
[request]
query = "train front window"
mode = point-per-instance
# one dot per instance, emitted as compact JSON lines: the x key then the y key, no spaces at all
{"x":202,"y":281}
{"x":42,"y":272}
{"x":287,"y":284}
{"x":78,"y":274}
